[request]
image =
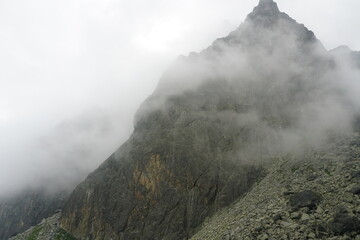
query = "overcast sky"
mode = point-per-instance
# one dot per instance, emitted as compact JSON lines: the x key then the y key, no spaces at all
{"x":73,"y":72}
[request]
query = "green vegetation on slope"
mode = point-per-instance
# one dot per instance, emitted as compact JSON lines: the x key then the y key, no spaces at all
{"x":63,"y":235}
{"x":35,"y":233}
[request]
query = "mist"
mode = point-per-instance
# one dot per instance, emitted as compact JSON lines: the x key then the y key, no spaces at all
{"x":73,"y":73}
{"x":271,"y":77}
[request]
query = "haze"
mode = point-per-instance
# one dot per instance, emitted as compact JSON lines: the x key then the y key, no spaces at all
{"x":73,"y":73}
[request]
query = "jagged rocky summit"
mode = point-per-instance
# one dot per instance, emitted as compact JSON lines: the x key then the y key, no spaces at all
{"x":215,"y":127}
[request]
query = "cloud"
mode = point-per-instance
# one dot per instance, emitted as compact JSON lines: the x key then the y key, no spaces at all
{"x":276,"y":73}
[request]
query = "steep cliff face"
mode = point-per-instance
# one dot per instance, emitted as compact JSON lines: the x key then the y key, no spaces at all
{"x":175,"y":170}
{"x":209,"y":130}
{"x":27,"y":209}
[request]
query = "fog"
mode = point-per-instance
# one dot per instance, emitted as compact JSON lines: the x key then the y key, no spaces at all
{"x":271,"y":77}
{"x":73,"y":73}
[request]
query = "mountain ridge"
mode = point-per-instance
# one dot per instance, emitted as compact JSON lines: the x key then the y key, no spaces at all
{"x":195,"y":143}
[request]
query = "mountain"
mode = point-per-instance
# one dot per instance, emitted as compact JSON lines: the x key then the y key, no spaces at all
{"x":260,"y":109}
{"x":206,"y":135}
{"x":27,"y":209}
{"x":346,"y":53}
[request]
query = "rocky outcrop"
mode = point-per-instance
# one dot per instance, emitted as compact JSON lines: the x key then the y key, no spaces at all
{"x":27,"y":209}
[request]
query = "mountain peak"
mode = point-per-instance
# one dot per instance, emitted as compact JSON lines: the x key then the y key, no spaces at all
{"x":268,"y":2}
{"x":265,"y":12}
{"x":267,"y":7}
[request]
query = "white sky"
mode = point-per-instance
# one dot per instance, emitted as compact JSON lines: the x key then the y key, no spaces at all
{"x":65,"y":62}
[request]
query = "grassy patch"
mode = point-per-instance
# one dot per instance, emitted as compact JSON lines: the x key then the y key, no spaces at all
{"x":35,"y":233}
{"x":63,"y":235}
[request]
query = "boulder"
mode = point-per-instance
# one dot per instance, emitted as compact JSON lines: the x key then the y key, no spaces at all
{"x":306,"y":198}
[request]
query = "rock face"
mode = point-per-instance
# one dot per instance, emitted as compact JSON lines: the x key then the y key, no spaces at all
{"x":209,"y":132}
{"x":27,"y":209}
{"x":157,"y":195}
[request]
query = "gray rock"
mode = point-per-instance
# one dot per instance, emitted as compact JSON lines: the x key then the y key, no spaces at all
{"x":295,"y":215}
{"x":311,"y":235}
{"x":355,"y":190}
{"x":355,"y":174}
{"x":306,"y":198}
{"x":342,"y":223}
{"x":319,"y":210}
{"x":305,"y":217}
{"x":263,"y":237}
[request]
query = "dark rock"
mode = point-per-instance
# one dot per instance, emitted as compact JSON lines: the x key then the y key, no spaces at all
{"x":306,"y":198}
{"x":311,"y":177}
{"x":287,"y":193}
{"x":342,"y":223}
{"x":321,"y":230}
{"x":355,"y":190}
{"x":355,"y":175}
{"x":277,"y":217}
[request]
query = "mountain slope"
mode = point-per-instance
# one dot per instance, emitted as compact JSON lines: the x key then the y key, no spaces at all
{"x":267,"y":211}
{"x":27,"y":209}
{"x":47,"y":229}
{"x":211,"y":129}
